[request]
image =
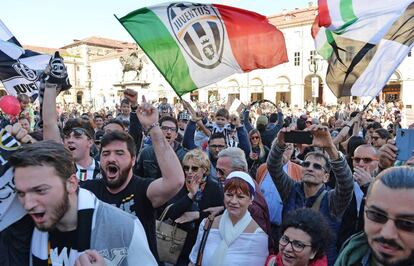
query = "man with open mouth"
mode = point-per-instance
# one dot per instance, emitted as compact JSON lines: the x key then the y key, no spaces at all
{"x":139,"y":196}
{"x":70,"y":220}
{"x":78,"y":137}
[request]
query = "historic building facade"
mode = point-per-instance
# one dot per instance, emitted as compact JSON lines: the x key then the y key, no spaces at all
{"x":96,"y":72}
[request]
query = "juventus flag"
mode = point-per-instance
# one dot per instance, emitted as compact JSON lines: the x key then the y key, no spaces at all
{"x":19,"y":68}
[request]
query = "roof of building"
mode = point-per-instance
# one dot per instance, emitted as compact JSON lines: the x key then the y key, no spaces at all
{"x":296,"y":17}
{"x":45,"y":50}
{"x":104,"y":42}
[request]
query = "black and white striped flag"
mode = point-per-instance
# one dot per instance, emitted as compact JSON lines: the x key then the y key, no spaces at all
{"x":19,"y":68}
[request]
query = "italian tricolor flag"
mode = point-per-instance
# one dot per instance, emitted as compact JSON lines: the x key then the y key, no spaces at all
{"x":364,"y":41}
{"x":194,"y":45}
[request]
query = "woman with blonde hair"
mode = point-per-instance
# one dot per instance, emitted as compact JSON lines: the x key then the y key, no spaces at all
{"x":198,"y":194}
{"x":259,"y":152}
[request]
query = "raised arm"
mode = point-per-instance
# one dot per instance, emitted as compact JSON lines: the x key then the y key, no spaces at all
{"x":162,"y":189}
{"x":282,"y":181}
{"x":49,"y":115}
{"x":340,"y":197}
{"x":135,"y":127}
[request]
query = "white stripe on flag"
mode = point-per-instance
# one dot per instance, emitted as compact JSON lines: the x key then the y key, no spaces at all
{"x":5,"y":33}
{"x":335,"y":14}
{"x":388,"y":56}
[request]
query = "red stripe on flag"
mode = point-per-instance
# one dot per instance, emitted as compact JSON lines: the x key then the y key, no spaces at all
{"x":323,"y":12}
{"x":254,"y":41}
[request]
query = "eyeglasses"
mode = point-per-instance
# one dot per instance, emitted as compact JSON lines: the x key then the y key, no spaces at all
{"x":365,"y":160}
{"x":296,"y":245}
{"x":166,"y":128}
{"x":254,"y":137}
{"x":214,"y":146}
{"x":382,"y":218}
{"x":193,"y":168}
{"x":77,"y":132}
{"x":315,"y":166}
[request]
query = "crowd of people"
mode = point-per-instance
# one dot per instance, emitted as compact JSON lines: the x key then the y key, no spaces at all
{"x":94,"y":188}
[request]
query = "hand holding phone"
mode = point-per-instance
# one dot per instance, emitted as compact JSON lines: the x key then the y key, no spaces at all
{"x":405,"y":144}
{"x":299,"y":136}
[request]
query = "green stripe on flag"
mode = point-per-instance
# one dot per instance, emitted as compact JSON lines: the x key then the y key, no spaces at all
{"x":154,"y":38}
{"x":347,"y":11}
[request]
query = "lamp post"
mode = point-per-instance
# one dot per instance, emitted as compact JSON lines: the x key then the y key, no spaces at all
{"x":315,"y":66}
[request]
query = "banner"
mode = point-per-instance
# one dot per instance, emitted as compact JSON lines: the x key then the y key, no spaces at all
{"x":19,"y":68}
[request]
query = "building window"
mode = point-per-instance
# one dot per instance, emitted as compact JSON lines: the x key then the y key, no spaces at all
{"x":312,"y":55}
{"x":297,"y":59}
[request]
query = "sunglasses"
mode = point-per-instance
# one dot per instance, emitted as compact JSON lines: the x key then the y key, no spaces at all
{"x":193,"y":168}
{"x":254,"y":137}
{"x":315,"y":166}
{"x":213,"y":146}
{"x":166,"y":128}
{"x":382,"y":218}
{"x":365,"y":160}
{"x":77,"y":132}
{"x":220,"y":171}
{"x":375,"y":138}
{"x":297,"y":246}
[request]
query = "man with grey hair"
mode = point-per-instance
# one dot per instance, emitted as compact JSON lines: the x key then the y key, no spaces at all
{"x":388,"y":237}
{"x":234,"y":159}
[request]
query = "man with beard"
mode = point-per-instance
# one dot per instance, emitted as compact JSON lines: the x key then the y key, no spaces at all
{"x":388,"y":237}
{"x":133,"y":194}
{"x":311,"y":191}
{"x":70,"y":220}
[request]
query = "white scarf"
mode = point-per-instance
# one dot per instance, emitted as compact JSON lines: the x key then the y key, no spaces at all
{"x":87,"y":204}
{"x":229,"y":234}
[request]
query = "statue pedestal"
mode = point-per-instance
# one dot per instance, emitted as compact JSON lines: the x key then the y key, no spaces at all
{"x":139,"y":86}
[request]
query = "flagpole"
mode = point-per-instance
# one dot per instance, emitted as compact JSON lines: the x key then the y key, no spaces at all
{"x":366,"y":106}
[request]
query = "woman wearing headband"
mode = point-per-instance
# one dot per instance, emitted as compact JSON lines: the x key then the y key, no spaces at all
{"x":234,"y":238}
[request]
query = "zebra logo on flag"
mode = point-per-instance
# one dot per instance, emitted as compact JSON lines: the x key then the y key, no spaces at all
{"x":200,"y":32}
{"x":24,"y":71}
{"x":19,"y":68}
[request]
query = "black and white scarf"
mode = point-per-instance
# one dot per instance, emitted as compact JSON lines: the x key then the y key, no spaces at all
{"x":87,"y":204}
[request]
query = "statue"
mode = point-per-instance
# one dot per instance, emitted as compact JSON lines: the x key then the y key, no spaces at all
{"x":132,"y":63}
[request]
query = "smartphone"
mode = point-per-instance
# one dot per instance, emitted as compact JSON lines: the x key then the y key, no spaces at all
{"x":405,"y":144}
{"x":299,"y":136}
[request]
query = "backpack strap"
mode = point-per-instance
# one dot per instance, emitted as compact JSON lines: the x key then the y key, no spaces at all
{"x":317,"y":204}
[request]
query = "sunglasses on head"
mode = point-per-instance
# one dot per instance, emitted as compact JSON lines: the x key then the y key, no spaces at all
{"x":315,"y":166}
{"x":382,"y":218}
{"x":365,"y":160}
{"x":193,"y":168}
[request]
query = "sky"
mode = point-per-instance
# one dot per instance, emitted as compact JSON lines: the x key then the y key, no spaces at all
{"x":55,"y":23}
